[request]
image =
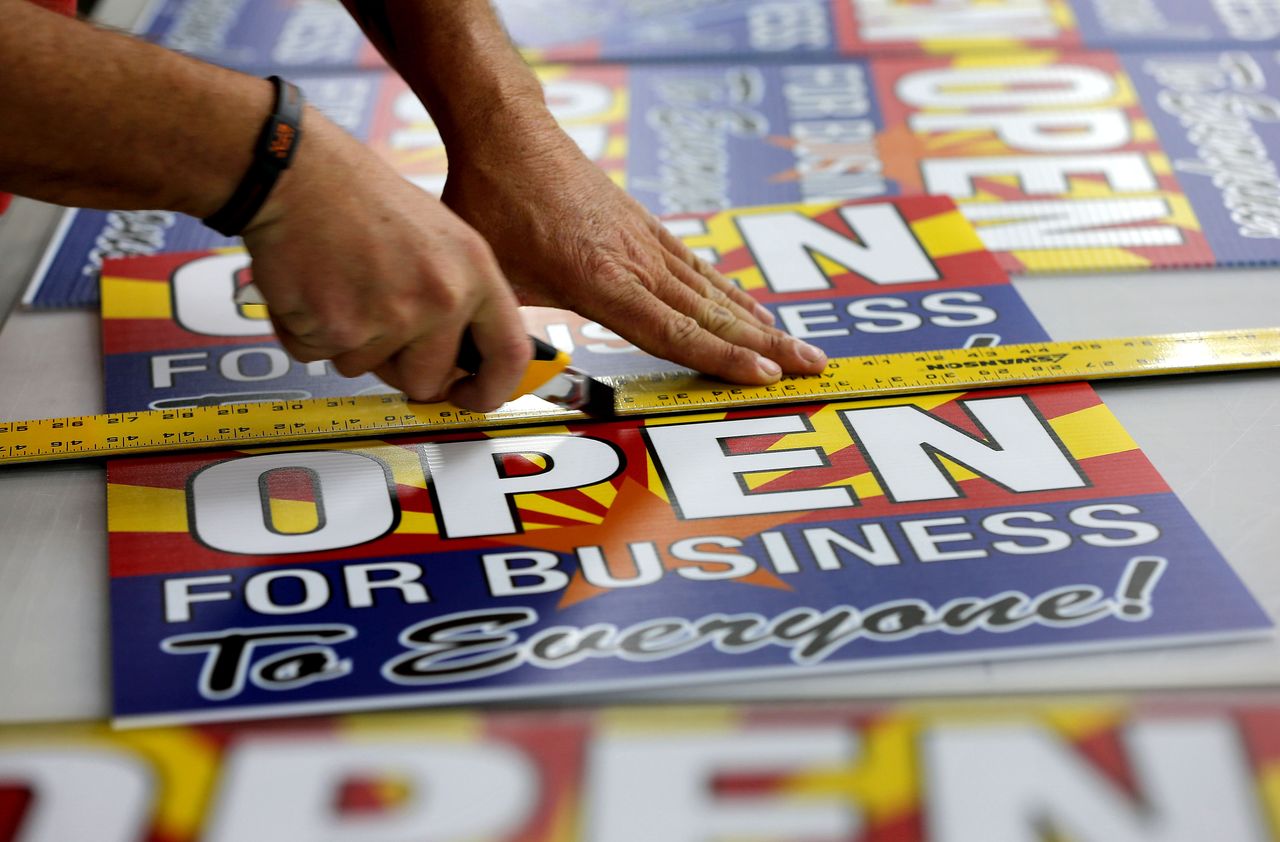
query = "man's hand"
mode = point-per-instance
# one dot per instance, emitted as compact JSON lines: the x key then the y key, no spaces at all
{"x":361,"y":267}
{"x":562,"y":231}
{"x":567,"y":236}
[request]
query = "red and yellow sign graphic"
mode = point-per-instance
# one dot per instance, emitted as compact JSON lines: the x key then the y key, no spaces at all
{"x":1050,"y":155}
{"x":151,"y":532}
{"x":912,"y":772}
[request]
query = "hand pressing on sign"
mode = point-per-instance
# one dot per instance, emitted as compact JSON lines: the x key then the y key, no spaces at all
{"x":564,"y":234}
{"x":568,"y":237}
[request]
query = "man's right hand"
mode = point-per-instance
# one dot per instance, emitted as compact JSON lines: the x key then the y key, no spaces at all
{"x":359,"y":266}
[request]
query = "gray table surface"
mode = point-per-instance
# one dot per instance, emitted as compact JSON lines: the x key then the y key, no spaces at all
{"x":1213,"y":438}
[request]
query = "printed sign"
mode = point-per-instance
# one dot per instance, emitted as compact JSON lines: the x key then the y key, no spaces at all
{"x":853,"y":279}
{"x":1064,"y":162}
{"x":603,"y":556}
{"x":1164,"y":769}
{"x":291,"y":35}
{"x":284,"y":35}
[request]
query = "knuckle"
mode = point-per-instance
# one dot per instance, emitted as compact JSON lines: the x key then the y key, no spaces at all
{"x":717,"y":318}
{"x":683,"y":329}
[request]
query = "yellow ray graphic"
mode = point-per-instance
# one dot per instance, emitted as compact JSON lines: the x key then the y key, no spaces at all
{"x":545,"y":505}
{"x":417,"y":523}
{"x":1181,"y":213}
{"x":293,"y":517}
{"x":653,"y":481}
{"x":1269,"y":787}
{"x":947,"y":46}
{"x":1020,"y":58}
{"x":1057,"y":260}
{"x":883,"y":780}
{"x":187,"y":768}
{"x":1092,"y":432}
{"x":564,"y":827}
{"x":666,"y":721}
{"x":947,"y":234}
{"x":123,"y":298}
{"x":602,"y":493}
{"x":136,"y":508}
{"x":444,"y":725}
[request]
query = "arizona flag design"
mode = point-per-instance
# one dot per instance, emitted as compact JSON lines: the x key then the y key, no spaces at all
{"x":853,"y":279}
{"x":603,"y":556}
{"x":851,"y":772}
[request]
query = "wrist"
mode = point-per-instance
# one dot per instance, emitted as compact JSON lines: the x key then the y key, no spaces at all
{"x":273,"y":153}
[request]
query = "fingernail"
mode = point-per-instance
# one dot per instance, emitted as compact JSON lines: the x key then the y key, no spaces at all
{"x":764,"y":314}
{"x":810,"y":353}
{"x":768,"y":367}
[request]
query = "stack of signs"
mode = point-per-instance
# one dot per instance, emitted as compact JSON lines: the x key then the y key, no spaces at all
{"x":1063,"y":161}
{"x":604,"y":555}
{"x":855,"y":773}
{"x":318,"y":33}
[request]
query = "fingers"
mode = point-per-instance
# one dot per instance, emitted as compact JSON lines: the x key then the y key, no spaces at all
{"x":676,"y":247}
{"x":716,"y":313}
{"x":505,"y":351}
{"x":663,"y":331}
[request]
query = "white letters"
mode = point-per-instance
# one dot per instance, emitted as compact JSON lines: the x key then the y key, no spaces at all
{"x":1028,"y":785}
{"x":203,"y":298}
{"x":705,"y":482}
{"x":230,"y":511}
{"x":903,"y":442}
{"x":886,"y":252}
{"x":474,"y":497}
{"x":278,"y":789}
{"x":632,"y":773}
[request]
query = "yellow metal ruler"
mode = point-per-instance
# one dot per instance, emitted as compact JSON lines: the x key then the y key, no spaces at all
{"x":281,"y":422}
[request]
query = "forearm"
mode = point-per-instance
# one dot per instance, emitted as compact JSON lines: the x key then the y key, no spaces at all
{"x":458,"y":59}
{"x":96,"y":119}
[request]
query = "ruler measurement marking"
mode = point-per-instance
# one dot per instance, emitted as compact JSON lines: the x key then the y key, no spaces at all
{"x":849,"y":378}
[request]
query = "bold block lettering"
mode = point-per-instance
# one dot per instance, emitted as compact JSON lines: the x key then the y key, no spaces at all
{"x":164,"y":366}
{"x":543,"y":570}
{"x":203,"y":298}
{"x":1126,"y":172}
{"x":178,"y":596}
{"x":406,"y":578}
{"x":1072,"y":224}
{"x":1040,"y":131}
{"x":706,"y":482}
{"x":277,"y":789}
{"x":886,"y":252}
{"x":903,"y":443}
{"x":1028,"y":784}
{"x":1006,"y":87}
{"x":473,"y":495}
{"x":231,"y":513}
{"x":81,"y":793}
{"x":632,"y":773}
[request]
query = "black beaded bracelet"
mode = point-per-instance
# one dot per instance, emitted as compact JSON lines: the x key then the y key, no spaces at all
{"x":272,"y":155}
